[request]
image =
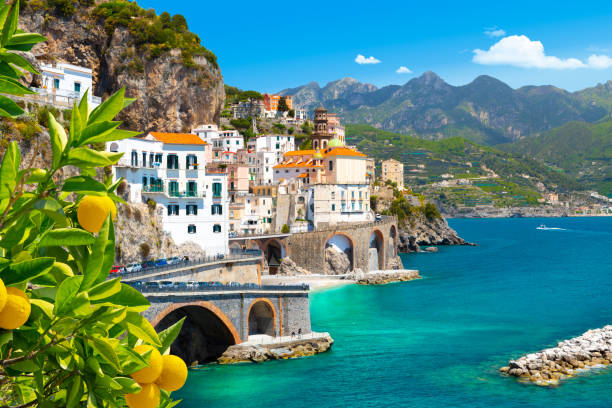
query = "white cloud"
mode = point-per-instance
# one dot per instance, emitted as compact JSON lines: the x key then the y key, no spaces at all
{"x":495,"y":32}
{"x":520,"y":51}
{"x":360,"y":59}
{"x":599,"y":61}
{"x":403,"y":70}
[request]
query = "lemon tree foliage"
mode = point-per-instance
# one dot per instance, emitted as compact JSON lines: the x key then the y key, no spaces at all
{"x":69,"y":336}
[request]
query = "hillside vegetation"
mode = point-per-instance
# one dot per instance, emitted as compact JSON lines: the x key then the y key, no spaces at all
{"x":581,"y":150}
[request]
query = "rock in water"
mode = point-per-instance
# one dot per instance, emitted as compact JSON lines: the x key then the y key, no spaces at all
{"x":290,"y":268}
{"x":547,"y":367}
{"x":336,"y":262}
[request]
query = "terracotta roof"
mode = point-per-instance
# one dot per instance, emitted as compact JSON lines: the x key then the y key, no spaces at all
{"x":303,"y":175}
{"x":299,"y":153}
{"x":178,"y":138}
{"x":343,"y":151}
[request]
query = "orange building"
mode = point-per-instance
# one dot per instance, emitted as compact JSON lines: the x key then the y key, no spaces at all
{"x":271,"y":101}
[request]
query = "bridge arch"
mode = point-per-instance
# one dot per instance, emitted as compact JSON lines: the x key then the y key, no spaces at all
{"x":393,"y":243}
{"x":274,"y":250}
{"x":340,"y":242}
{"x":206,"y":333}
{"x":376,"y":254}
{"x":261,"y":317}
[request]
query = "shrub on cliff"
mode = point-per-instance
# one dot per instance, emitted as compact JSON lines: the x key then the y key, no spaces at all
{"x":69,"y":337}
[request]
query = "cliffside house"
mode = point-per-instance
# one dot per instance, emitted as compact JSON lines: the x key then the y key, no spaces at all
{"x":393,"y":170}
{"x":170,"y":169}
{"x":63,"y":84}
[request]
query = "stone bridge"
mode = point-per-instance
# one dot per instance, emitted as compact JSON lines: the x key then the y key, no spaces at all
{"x":368,"y":246}
{"x":218,"y":317}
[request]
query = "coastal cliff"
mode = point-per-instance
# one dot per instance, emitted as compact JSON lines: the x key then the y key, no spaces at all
{"x":423,"y":231}
{"x":176,"y":82}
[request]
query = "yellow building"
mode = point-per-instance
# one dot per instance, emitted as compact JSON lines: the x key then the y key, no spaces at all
{"x":393,"y":170}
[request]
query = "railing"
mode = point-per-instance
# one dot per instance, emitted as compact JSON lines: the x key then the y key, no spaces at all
{"x":233,"y":256}
{"x":184,"y":194}
{"x":156,"y":287}
{"x":59,"y":97}
{"x":149,"y":189}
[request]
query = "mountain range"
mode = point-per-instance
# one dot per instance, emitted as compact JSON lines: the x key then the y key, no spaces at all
{"x":487,"y":110}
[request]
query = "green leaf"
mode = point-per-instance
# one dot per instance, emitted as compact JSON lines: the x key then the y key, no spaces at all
{"x":75,"y":393}
{"x":17,"y":233}
{"x":19,"y":61}
{"x":105,"y":289}
{"x":109,"y":108}
{"x":127,"y":296}
{"x":128,"y":385}
{"x":94,"y":365}
{"x":83,"y":185}
{"x":131,"y":361}
{"x":106,"y":350}
{"x":13,"y":87}
{"x":75,"y":125}
{"x":116,"y":134}
{"x":67,"y":237}
{"x":82,"y":156}
{"x":26,"y":39}
{"x":52,"y":208}
{"x":66,"y":292}
{"x":26,"y":270}
{"x":84,"y":109}
{"x":140,"y":327}
{"x":44,"y":306}
{"x":168,"y":336}
{"x":96,"y":132}
{"x":10,"y":25}
{"x":8,"y":108}
{"x":102,"y":256}
{"x":9,"y":170}
{"x":58,"y":140}
{"x":36,"y":176}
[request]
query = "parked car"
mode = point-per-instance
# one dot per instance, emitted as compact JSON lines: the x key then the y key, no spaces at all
{"x":148,"y":264}
{"x":133,"y":267}
{"x":174,"y":260}
{"x":166,"y":284}
{"x":234,"y":284}
{"x":118,"y":269}
{"x":152,"y":285}
{"x":378,"y":217}
{"x":161,"y":262}
{"x":193,"y":284}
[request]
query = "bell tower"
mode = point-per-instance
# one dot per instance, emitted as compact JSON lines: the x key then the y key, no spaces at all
{"x":320,"y":137}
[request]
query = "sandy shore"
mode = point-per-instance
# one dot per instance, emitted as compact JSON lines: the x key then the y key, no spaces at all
{"x":316,"y":282}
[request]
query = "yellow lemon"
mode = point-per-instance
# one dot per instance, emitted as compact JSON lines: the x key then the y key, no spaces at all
{"x":151,"y":373}
{"x":16,"y":311}
{"x":93,"y":210}
{"x":2,"y":295}
{"x":174,"y":373}
{"x":148,"y":397}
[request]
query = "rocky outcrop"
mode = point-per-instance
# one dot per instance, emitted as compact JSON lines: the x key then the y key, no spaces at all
{"x":423,"y":231}
{"x":258,"y":353}
{"x":290,"y":268}
{"x":170,"y":96}
{"x":139,"y":236}
{"x":383,"y":277}
{"x":591,"y":349}
{"x":336,"y":262}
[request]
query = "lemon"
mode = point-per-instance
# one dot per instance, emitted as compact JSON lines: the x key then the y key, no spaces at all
{"x":174,"y":373}
{"x":151,"y":373}
{"x":93,"y":210}
{"x":147,"y":397}
{"x":16,"y":311}
{"x":2,"y":295}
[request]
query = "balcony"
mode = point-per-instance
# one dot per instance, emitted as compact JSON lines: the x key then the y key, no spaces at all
{"x":182,"y":194}
{"x":152,"y":189}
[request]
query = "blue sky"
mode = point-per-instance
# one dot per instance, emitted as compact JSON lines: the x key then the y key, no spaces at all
{"x":271,"y":45}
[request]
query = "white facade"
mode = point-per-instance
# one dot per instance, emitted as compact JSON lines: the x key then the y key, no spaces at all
{"x":331,"y":204}
{"x":258,"y":214}
{"x":63,"y":84}
{"x":261,"y":167}
{"x":220,"y":140}
{"x":193,"y":204}
{"x":265,"y":152}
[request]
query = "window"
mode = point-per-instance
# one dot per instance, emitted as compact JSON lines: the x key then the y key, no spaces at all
{"x":191,"y":161}
{"x":353,"y":206}
{"x":144,"y":159}
{"x":192,"y":209}
{"x":134,"y":158}
{"x":232,"y":186}
{"x":192,"y":189}
{"x":56,"y":83}
{"x":343,"y":207}
{"x":173,"y":209}
{"x":216,"y":209}
{"x":277,"y":146}
{"x":174,"y":189}
{"x":333,"y":195}
{"x":216,"y":187}
{"x":191,"y":229}
{"x":331,"y":166}
{"x":151,"y":159}
{"x":173,"y":161}
{"x":333,"y":207}
{"x":77,"y":87}
{"x":217,"y":228}
{"x":144,"y":181}
{"x":360,"y":206}
{"x":158,"y":158}
{"x":353,"y":195}
{"x":360,"y":195}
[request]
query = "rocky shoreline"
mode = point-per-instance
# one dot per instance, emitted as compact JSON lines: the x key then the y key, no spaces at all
{"x":251,"y":352}
{"x":384,"y":277}
{"x":426,"y":232}
{"x":593,"y":349}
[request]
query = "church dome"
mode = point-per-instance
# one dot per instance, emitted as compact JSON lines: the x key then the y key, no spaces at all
{"x":335,"y":142}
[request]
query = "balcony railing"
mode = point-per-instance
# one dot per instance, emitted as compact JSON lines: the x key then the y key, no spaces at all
{"x":152,"y":189}
{"x":184,"y":194}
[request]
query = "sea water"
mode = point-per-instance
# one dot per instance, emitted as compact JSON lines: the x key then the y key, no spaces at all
{"x":439,"y":341}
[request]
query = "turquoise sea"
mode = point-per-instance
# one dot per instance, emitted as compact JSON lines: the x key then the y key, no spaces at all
{"x":439,"y":341}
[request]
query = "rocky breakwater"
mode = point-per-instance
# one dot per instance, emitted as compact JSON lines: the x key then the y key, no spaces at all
{"x":383,"y":277}
{"x":277,"y":349}
{"x":425,"y":232}
{"x":547,"y":367}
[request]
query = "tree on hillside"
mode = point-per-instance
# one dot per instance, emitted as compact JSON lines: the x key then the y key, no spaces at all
{"x":282,"y":105}
{"x":179,"y":23}
{"x":291,"y":113}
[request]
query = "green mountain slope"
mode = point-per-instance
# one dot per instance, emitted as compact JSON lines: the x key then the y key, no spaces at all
{"x":489,"y":175}
{"x":582,"y":150}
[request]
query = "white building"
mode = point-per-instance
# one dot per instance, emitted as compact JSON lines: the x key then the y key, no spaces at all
{"x":170,"y":169}
{"x":63,"y":84}
{"x":220,"y":140}
{"x":265,"y":152}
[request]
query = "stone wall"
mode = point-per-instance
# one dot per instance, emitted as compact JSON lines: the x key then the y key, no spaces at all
{"x":292,"y":309}
{"x":307,"y":249}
